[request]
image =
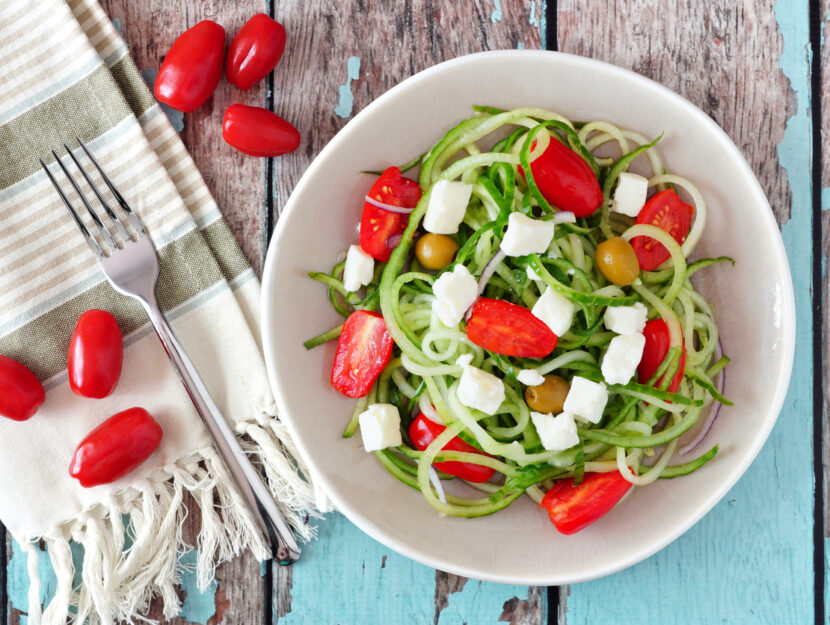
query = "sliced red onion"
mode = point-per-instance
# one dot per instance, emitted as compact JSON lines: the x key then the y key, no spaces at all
{"x":563,"y":217}
{"x":703,"y":432}
{"x":489,"y":270}
{"x":394,"y":240}
{"x":436,"y":483}
{"x":389,"y":207}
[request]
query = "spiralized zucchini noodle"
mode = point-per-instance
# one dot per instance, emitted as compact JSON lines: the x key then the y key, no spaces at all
{"x":642,"y":424}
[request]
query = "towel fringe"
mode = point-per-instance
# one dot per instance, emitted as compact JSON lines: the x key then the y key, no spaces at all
{"x":128,"y":560}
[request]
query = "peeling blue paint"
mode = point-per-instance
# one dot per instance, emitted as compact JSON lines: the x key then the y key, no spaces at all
{"x":825,"y":198}
{"x":116,"y":24}
{"x":197,"y":607}
{"x":520,"y":46}
{"x":496,"y":15}
{"x":533,"y":21}
{"x":543,"y":25}
{"x":346,"y":104}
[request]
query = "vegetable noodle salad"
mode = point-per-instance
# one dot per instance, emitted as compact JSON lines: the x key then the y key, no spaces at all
{"x":522,"y":319}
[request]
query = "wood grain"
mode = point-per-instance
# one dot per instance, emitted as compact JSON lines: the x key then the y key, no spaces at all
{"x":825,"y":254}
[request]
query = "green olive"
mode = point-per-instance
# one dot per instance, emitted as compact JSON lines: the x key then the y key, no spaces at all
{"x":549,"y":396}
{"x":617,"y":261}
{"x":435,"y":251}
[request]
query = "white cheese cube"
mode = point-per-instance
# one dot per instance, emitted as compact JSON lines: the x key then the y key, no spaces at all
{"x":525,"y":235}
{"x":447,"y":204}
{"x":380,"y":427}
{"x":464,"y":359}
{"x":530,"y":377}
{"x":480,"y":390}
{"x":626,"y":319}
{"x":630,"y":194}
{"x":531,"y":273}
{"x":622,"y":357}
{"x":555,"y":310}
{"x":586,"y":399}
{"x":556,"y":433}
{"x":455,"y":291}
{"x":359,"y":269}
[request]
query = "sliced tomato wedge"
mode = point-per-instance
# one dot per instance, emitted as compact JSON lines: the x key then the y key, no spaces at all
{"x":378,"y":226}
{"x":573,"y":508}
{"x":654,"y":352}
{"x":509,"y":329}
{"x":423,"y":431}
{"x":363,"y":350}
{"x":668,"y":212}
{"x":566,"y":180}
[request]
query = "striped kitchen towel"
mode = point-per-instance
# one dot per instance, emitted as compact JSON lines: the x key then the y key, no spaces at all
{"x":65,"y":72}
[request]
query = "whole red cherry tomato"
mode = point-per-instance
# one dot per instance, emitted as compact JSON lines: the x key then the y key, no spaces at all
{"x":192,"y":67}
{"x":258,"y":132}
{"x":509,"y":329}
{"x":115,"y":447}
{"x":566,"y":180}
{"x":255,"y":51}
{"x":378,"y":225}
{"x":95,"y":355}
{"x":655,"y":350}
{"x":572,"y":508}
{"x":668,"y":212}
{"x":423,"y":432}
{"x":363,"y":350}
{"x":21,"y":393}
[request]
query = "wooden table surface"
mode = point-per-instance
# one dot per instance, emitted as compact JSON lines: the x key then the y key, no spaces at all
{"x":757,"y":67}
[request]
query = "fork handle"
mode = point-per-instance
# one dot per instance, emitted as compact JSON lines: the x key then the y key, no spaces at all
{"x":247,"y":480}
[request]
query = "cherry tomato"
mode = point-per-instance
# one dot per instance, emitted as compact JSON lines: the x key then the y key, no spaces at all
{"x":258,"y":132}
{"x":21,"y":393}
{"x":655,"y":350}
{"x":255,"y":51}
{"x":363,"y":350}
{"x":95,"y":355}
{"x":192,"y":67}
{"x":666,"y":211}
{"x":115,"y":447}
{"x":509,"y":329}
{"x":572,"y":508}
{"x":377,"y":225}
{"x":423,"y":432}
{"x":566,"y":180}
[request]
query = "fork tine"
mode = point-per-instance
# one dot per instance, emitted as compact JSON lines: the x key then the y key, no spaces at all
{"x":104,"y":232}
{"x":118,"y":225}
{"x":93,"y":244}
{"x":134,"y":221}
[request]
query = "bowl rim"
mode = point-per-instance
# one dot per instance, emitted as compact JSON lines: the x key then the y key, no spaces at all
{"x":788,"y":322}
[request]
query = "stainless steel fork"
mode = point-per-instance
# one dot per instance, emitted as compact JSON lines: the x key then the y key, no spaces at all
{"x":131,"y":265}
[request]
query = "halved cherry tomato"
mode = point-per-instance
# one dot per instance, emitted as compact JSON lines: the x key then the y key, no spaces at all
{"x":423,"y":431}
{"x":363,"y":350}
{"x":115,"y":447}
{"x":572,"y":508}
{"x":192,"y":67}
{"x":255,"y":51}
{"x":655,"y":350}
{"x":668,"y":212}
{"x":258,"y":132}
{"x":566,"y":180}
{"x":377,"y":225}
{"x":95,"y":355}
{"x":509,"y":329}
{"x":21,"y":393}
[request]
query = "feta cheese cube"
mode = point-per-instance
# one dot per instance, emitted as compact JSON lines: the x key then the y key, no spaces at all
{"x":455,"y":292}
{"x":556,"y":433}
{"x":556,"y":310}
{"x":447,"y":204}
{"x":359,"y":269}
{"x":586,"y":399}
{"x":530,"y":377}
{"x":464,"y":359}
{"x":525,"y":235}
{"x":480,"y":390}
{"x":622,"y":357}
{"x":626,"y":319}
{"x":531,"y":273}
{"x":380,"y":427}
{"x":630,"y":194}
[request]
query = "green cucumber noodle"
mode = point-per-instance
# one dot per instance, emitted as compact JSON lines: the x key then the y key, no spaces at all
{"x":642,"y":423}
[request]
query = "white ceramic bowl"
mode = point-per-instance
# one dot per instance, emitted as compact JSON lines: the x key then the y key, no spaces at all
{"x":753,"y":299}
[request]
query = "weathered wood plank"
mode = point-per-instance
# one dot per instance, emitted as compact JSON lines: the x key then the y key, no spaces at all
{"x":356,"y":64}
{"x":825,"y":291}
{"x":745,"y":64}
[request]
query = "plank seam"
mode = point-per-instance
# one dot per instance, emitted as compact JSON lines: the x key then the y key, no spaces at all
{"x":4,"y":596}
{"x":818,"y":365}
